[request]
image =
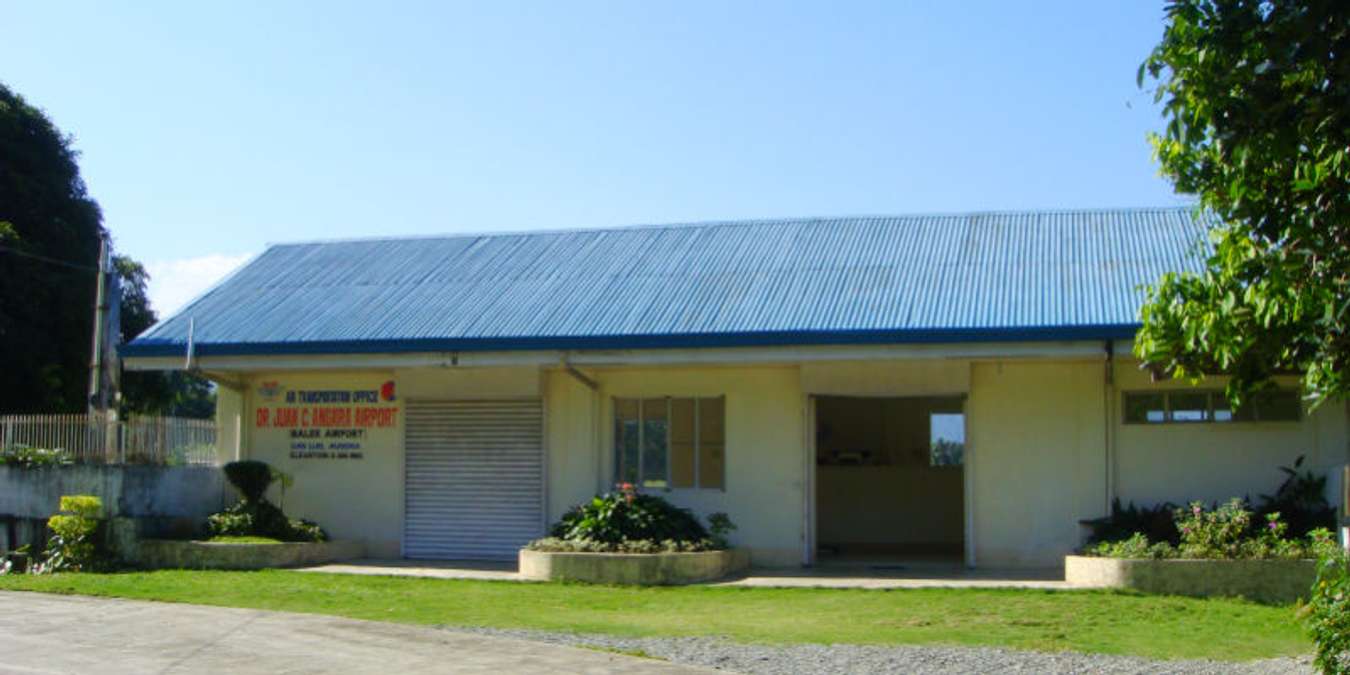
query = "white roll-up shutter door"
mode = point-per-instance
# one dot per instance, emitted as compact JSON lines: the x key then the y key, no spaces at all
{"x":474,"y":478}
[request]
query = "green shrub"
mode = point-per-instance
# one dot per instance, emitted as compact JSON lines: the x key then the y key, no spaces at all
{"x":556,"y":545}
{"x":1137,"y":546}
{"x":1327,"y":614}
{"x":626,"y":516}
{"x":1227,"y":532}
{"x":720,"y":525}
{"x":16,"y":561}
{"x":1155,"y":522}
{"x":262,"y":519}
{"x":250,"y":477}
{"x":1301,"y":501}
{"x":25,"y":457}
{"x":75,"y":544}
{"x":85,"y":506}
{"x":1216,"y":533}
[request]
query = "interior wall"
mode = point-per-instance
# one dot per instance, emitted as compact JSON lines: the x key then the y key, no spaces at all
{"x":895,"y":501}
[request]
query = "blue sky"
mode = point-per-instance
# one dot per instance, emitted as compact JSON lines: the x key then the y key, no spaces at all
{"x":210,"y":130}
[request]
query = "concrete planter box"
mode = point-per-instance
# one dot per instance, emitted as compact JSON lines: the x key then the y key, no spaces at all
{"x":642,"y":569}
{"x":1277,"y":581}
{"x":168,"y":554}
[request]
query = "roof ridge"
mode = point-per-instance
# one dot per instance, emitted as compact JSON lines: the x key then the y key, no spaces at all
{"x":738,"y":222}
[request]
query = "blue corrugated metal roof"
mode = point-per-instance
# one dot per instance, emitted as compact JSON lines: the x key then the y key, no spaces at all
{"x":875,"y":279}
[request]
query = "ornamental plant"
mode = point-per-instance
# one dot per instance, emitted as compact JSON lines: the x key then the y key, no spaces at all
{"x":250,"y":477}
{"x":254,"y":516}
{"x":25,"y":457}
{"x":75,"y":545}
{"x":626,"y":520}
{"x":1327,"y":614}
{"x":1213,"y":534}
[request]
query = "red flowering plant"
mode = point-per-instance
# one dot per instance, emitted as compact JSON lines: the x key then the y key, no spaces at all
{"x":626,"y":520}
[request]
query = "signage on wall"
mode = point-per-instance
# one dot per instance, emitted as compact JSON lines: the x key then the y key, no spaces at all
{"x":326,"y":423}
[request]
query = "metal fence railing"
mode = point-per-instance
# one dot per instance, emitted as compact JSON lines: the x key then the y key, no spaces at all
{"x":101,"y":438}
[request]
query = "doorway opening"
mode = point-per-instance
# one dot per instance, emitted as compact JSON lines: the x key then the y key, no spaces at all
{"x":890,"y":481}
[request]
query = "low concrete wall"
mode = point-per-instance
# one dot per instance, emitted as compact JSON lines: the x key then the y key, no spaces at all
{"x":644,"y":569}
{"x":165,"y":554}
{"x":1278,"y":581}
{"x":162,"y":501}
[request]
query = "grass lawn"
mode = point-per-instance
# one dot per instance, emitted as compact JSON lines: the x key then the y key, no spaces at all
{"x":1088,"y":621}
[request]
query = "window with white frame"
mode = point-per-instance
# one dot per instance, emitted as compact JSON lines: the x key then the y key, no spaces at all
{"x":670,"y":442}
{"x":1189,"y":406}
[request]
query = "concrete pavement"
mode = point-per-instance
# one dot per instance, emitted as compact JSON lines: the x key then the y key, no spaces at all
{"x":42,"y":633}
{"x":826,"y":576}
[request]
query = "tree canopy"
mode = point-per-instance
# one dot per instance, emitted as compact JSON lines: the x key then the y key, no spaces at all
{"x":46,"y":308}
{"x":1256,"y":98}
{"x":50,"y":234}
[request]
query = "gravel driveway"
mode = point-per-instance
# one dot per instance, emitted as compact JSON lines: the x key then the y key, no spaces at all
{"x":919,"y":660}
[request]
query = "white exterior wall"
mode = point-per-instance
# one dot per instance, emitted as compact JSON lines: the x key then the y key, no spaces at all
{"x":230,"y":418}
{"x":1036,"y":446}
{"x":765,"y":461}
{"x":349,"y":498}
{"x":1212,"y":462}
{"x":1036,"y":459}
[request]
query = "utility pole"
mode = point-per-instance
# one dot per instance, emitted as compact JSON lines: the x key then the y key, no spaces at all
{"x":98,"y":394}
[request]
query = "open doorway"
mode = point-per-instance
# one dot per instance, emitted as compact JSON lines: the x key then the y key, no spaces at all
{"x":890,"y":483}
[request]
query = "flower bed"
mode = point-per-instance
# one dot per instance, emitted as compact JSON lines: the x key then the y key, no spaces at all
{"x":624,"y":537}
{"x":1220,"y":551}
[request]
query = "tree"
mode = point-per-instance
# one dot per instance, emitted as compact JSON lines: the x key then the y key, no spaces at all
{"x":1256,"y":95}
{"x":176,"y":393}
{"x":50,"y":233}
{"x":46,"y":308}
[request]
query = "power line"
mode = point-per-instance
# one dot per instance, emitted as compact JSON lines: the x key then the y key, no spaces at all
{"x":43,"y":258}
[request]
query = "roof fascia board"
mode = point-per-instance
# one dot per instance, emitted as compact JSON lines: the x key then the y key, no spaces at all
{"x":645,"y":357}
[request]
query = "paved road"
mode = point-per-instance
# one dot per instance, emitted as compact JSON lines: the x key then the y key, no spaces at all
{"x":68,"y":634}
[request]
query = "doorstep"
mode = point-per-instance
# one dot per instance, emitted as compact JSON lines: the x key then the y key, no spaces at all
{"x":432,"y":569}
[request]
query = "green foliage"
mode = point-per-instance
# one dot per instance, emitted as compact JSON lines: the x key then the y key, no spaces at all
{"x":619,"y":518}
{"x":1216,"y":533}
{"x":84,"y":506}
{"x":1257,"y":103}
{"x":720,"y":526}
{"x":16,"y":561}
{"x":1300,"y":501}
{"x":1327,"y":614}
{"x":1226,"y":532}
{"x":45,"y":316}
{"x":261,"y":518}
{"x":25,"y":457}
{"x":175,"y":393}
{"x":254,"y":516}
{"x":76,"y":544}
{"x":1136,"y":546}
{"x":285,"y":481}
{"x":557,"y":545}
{"x":1155,"y":522}
{"x":250,"y":477}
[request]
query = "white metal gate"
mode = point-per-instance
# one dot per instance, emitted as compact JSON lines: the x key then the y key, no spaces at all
{"x":473,"y":478}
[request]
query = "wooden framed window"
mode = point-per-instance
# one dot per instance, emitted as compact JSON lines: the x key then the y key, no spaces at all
{"x":671,"y":442}
{"x":1188,"y":406}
